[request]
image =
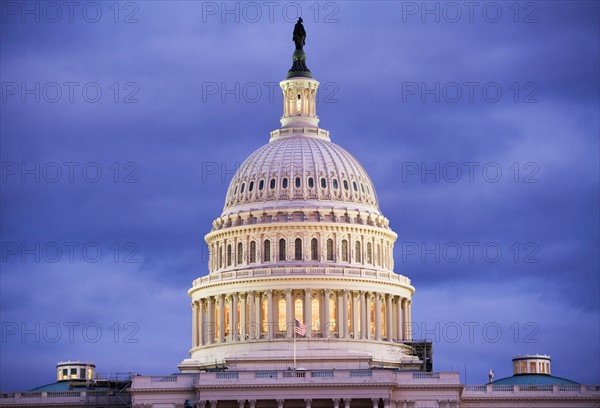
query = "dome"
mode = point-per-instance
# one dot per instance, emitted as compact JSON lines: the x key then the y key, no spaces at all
{"x":533,"y":379}
{"x":300,"y":164}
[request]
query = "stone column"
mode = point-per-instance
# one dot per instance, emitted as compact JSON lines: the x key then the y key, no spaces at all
{"x":388,"y":317}
{"x":229,"y":300}
{"x":210,"y":321}
{"x":409,"y":316}
{"x":339,"y":315}
{"x":258,"y":315}
{"x":243,"y":332}
{"x":194,"y":324}
{"x":377,"y":317}
{"x":308,"y":312}
{"x":375,"y":402}
{"x":368,"y":315}
{"x":344,"y":314}
{"x":213,"y":404}
{"x":234,"y":321}
{"x":325,"y":323}
{"x":336,"y":403}
{"x":252,"y":318}
{"x":280,"y":403}
{"x":289,"y":313}
{"x":252,"y":403}
{"x":347,"y":402}
{"x":308,"y":402}
{"x":270,"y":314}
{"x":400,"y":336}
{"x":404,"y":322}
{"x":201,"y":322}
{"x":355,"y":315}
{"x":386,"y":403}
{"x":241,"y":403}
{"x":363,"y":315}
{"x":221,"y":300}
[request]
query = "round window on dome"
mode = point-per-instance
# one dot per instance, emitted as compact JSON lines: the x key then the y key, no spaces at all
{"x":261,"y":185}
{"x":284,"y":182}
{"x":354,"y":186}
{"x":251,"y":186}
{"x":297,"y":182}
{"x":242,"y":189}
{"x":272,"y":184}
{"x":311,"y":182}
{"x":345,"y":184}
{"x":323,"y":182}
{"x":334,"y":182}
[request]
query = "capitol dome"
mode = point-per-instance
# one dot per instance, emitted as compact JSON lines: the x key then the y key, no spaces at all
{"x":301,"y":252}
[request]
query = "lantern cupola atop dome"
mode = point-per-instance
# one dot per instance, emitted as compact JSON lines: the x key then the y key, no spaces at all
{"x":300,"y":88}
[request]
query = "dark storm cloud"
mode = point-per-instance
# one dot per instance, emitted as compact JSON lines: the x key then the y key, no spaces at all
{"x":179,"y":64}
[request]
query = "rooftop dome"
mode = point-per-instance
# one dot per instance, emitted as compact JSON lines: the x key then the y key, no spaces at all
{"x":300,"y":164}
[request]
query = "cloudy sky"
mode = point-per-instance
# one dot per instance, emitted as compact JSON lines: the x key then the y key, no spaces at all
{"x":122,"y":124}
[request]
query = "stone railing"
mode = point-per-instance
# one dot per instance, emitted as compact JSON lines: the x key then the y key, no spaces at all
{"x":59,"y":398}
{"x":473,"y":390}
{"x":308,"y":271}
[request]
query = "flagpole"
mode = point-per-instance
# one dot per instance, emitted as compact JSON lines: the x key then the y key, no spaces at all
{"x":294,"y":345}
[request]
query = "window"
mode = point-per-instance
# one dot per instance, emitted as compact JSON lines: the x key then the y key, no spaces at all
{"x":369,"y":253}
{"x":284,"y":182}
{"x":267,"y":251}
{"x":313,"y":250}
{"x":323,"y":182}
{"x":235,"y":190}
{"x":282,"y":249}
{"x":82,"y":373}
{"x":272,"y":184}
{"x":240,"y":253}
{"x":311,"y":182}
{"x":354,"y":186}
{"x":282,"y":315}
{"x":251,"y":186}
{"x":264,"y":315}
{"x":298,"y":249}
{"x":344,"y":251}
{"x":515,"y":368}
{"x":330,"y":249}
{"x":253,"y":252}
{"x":362,"y":188}
{"x":345,"y":184}
{"x":297,"y":182}
{"x":357,"y":251}
{"x":335,"y":183}
{"x":261,"y":185}
{"x":229,"y":255}
{"x":243,"y":186}
{"x":65,"y":371}
{"x":298,"y":310}
{"x":315,"y":313}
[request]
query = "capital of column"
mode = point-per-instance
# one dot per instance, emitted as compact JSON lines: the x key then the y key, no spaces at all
{"x":308,"y":402}
{"x":241,"y":403}
{"x":336,"y":402}
{"x":347,"y":402}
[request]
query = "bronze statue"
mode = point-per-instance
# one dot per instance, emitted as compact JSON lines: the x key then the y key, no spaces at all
{"x":299,"y":35}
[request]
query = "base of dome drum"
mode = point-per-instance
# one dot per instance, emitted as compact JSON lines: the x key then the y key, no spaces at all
{"x":310,"y":354}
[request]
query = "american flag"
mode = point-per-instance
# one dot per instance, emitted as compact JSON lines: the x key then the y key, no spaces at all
{"x":299,"y":328}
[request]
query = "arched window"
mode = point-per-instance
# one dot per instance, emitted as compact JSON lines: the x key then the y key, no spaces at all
{"x":330,"y":249}
{"x":267,"y":251}
{"x":344,"y":250}
{"x":369,"y":253}
{"x":282,"y":249}
{"x":261,"y":185}
{"x":253,"y":252}
{"x":315,"y":314}
{"x":311,"y":182}
{"x":357,"y":251}
{"x":282,"y":318}
{"x":264,"y":315}
{"x":314,"y":255}
{"x":354,"y":186}
{"x":334,"y":182}
{"x":235,"y":190}
{"x":362,"y":188}
{"x":332,"y":323}
{"x":298,"y":249}
{"x":272,"y":184}
{"x":284,"y":183}
{"x":297,"y":182}
{"x":243,"y":186}
{"x":229,"y":255}
{"x":323,"y":182}
{"x":251,"y":186}
{"x":240,"y":253}
{"x":298,"y":310}
{"x":345,"y":182}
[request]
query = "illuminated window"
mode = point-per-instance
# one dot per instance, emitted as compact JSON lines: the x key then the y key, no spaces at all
{"x":267,"y":251}
{"x":282,"y":249}
{"x":547,"y":368}
{"x":357,"y":251}
{"x":298,"y":249}
{"x":314,"y":309}
{"x":369,"y":253}
{"x":298,"y":310}
{"x":332,"y":315}
{"x":344,"y":251}
{"x":229,"y":255}
{"x":523,"y":367}
{"x":264,"y":315}
{"x":313,"y":249}
{"x":240,"y":253}
{"x":372,"y":313}
{"x":532,"y":367}
{"x":330,"y":249}
{"x":515,"y":368}
{"x":282,"y":317}
{"x":253,"y":252}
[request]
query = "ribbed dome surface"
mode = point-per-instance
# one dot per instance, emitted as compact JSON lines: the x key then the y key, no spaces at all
{"x":300,"y":168}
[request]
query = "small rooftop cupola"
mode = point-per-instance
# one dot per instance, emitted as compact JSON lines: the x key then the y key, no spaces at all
{"x":75,"y":370}
{"x":300,"y":88}
{"x":531,"y":364}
